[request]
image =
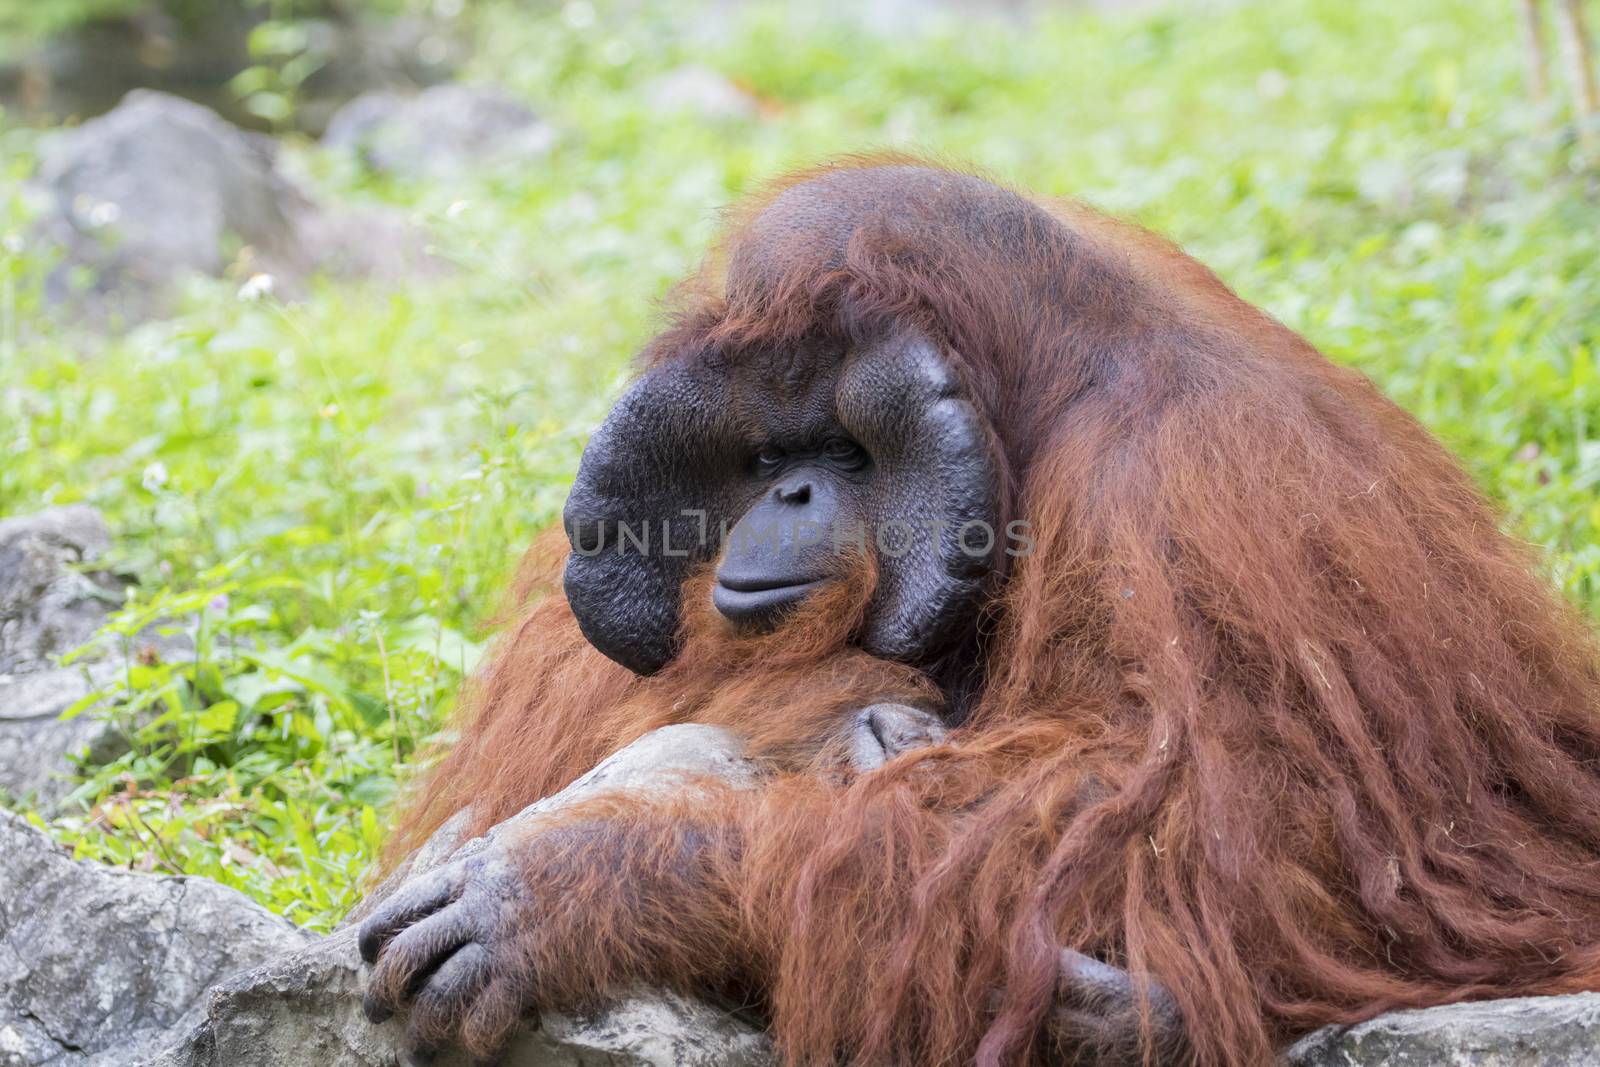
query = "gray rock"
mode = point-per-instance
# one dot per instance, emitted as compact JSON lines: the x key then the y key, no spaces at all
{"x":440,"y":132}
{"x":365,"y":53}
{"x":353,"y":126}
{"x":368,"y":241}
{"x":700,"y":91}
{"x":303,"y":1010}
{"x":97,"y":963}
{"x":50,"y":603}
{"x":300,"y":1009}
{"x":37,"y":748}
{"x":648,"y":1030}
{"x":160,"y":188}
{"x":1519,"y":1032}
{"x":52,"y":600}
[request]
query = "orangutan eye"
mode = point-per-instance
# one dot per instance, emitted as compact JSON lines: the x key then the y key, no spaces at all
{"x":845,"y":453}
{"x":768,"y":459}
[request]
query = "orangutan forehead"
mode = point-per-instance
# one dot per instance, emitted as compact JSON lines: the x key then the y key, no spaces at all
{"x":809,"y":226}
{"x":787,"y":389}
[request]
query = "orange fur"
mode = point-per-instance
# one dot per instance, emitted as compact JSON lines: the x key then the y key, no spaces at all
{"x":1274,"y":712}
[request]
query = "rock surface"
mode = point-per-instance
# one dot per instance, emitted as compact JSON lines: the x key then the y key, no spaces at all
{"x":440,"y":132}
{"x":98,"y":963}
{"x":1519,"y":1032}
{"x":49,"y":604}
{"x":304,"y":1010}
{"x":37,"y":748}
{"x":100,"y":966}
{"x":160,"y":188}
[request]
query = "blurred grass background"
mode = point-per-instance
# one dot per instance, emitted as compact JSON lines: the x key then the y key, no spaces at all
{"x":335,"y":489}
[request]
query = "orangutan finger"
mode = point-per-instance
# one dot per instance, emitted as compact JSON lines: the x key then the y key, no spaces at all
{"x":1085,"y":978}
{"x":901,"y":728}
{"x":412,"y":902}
{"x":1102,"y":1000}
{"x":883,"y":731}
{"x":412,"y":957}
{"x":440,"y":1005}
{"x":492,"y":1019}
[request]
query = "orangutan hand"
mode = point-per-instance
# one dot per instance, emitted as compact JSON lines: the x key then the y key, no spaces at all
{"x":450,"y":949}
{"x":881,"y":732}
{"x":1097,"y":1016}
{"x":511,"y":924}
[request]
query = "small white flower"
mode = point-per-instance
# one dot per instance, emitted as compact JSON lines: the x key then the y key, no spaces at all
{"x":257,"y":287}
{"x":155,"y":476}
{"x":14,"y":243}
{"x":455,"y":209}
{"x":102,"y":213}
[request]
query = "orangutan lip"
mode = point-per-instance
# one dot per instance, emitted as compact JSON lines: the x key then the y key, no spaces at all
{"x":763,"y":584}
{"x":759,"y":608}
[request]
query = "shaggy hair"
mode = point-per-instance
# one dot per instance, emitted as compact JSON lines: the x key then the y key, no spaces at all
{"x":1273,"y":713}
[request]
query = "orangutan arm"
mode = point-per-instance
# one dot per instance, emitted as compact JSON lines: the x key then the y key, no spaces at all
{"x":566,"y":915}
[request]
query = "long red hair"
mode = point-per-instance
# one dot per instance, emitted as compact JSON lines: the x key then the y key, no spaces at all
{"x":1273,"y":712}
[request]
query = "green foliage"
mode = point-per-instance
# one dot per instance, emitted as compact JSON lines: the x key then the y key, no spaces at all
{"x":40,"y":18}
{"x":30,"y":18}
{"x":283,"y":754}
{"x":329,"y":494}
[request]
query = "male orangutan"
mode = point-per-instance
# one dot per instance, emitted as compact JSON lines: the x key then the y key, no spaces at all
{"x":1249,"y":701}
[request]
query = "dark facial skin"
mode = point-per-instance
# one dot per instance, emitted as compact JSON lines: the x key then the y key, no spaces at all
{"x":804,"y":456}
{"x":788,"y":544}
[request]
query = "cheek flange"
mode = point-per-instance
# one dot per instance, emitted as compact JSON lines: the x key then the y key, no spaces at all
{"x":652,"y":492}
{"x":934,"y":512}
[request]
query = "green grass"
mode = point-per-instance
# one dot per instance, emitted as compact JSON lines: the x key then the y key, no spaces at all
{"x":348,"y":479}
